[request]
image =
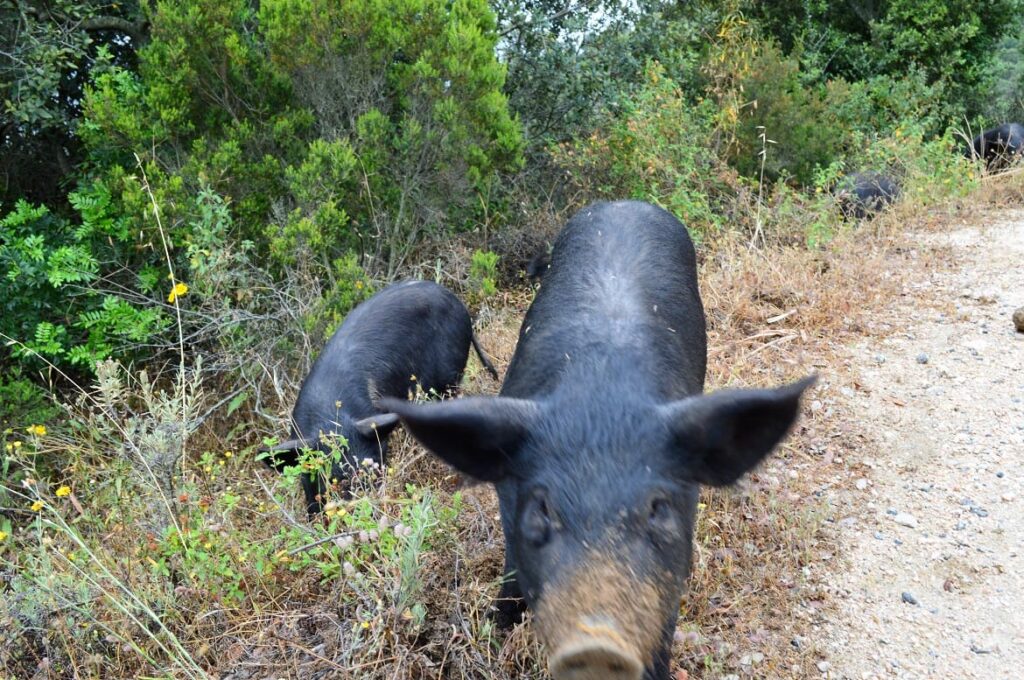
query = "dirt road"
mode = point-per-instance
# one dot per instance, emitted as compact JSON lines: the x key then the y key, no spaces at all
{"x":933,"y":528}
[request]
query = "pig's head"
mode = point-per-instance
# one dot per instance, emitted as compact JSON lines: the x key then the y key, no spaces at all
{"x":603,"y":498}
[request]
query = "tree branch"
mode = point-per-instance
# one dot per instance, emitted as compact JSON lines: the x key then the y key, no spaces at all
{"x":136,"y":30}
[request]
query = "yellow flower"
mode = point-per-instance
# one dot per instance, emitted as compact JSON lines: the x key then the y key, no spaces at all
{"x":63,"y":491}
{"x":17,"y":445}
{"x":179,"y":289}
{"x":38,"y":430}
{"x":701,"y":506}
{"x":228,"y":454}
{"x":366,"y":624}
{"x":10,"y":447}
{"x":3,"y":535}
{"x":359,"y":285}
{"x":38,"y":505}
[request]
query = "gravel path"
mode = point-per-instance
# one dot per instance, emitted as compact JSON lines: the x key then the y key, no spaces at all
{"x":934,"y":586}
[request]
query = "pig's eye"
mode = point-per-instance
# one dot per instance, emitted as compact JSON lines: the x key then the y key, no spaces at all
{"x":537,"y":521}
{"x":660,"y":514}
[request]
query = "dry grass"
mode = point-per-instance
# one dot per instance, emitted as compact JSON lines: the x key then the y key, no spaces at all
{"x":221,"y":580}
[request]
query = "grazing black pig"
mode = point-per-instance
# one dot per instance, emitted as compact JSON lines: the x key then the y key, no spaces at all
{"x":414,"y":333}
{"x":865,"y":194}
{"x":1000,"y":146}
{"x":601,"y":438}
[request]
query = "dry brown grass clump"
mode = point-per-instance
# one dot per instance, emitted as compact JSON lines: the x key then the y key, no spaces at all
{"x":211,"y":569}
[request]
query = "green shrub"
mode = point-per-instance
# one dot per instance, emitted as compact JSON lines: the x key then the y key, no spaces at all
{"x":656,"y":150}
{"x":23,"y":402}
{"x":483,"y":274}
{"x":805,"y":133}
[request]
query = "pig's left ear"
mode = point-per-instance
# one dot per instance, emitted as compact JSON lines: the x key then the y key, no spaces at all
{"x":380,"y":424}
{"x":725,"y":434}
{"x":478,"y":436}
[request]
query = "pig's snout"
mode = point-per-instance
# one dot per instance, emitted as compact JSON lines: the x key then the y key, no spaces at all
{"x":595,"y":656}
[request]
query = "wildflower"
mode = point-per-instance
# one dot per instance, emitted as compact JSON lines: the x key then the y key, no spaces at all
{"x":3,"y":535}
{"x":37,"y":430}
{"x":207,"y":545}
{"x":701,"y":506}
{"x":178,"y":291}
{"x":348,"y":569}
{"x":228,"y":454}
{"x":37,"y":506}
{"x":364,"y":536}
{"x":208,"y":468}
{"x":10,"y":447}
{"x":359,"y":285}
{"x":365,"y":624}
{"x":17,"y":445}
{"x":64,"y":491}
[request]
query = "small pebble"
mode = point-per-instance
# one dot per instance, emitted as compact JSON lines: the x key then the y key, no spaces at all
{"x":906,"y":520}
{"x":879,"y":536}
{"x":922,"y":358}
{"x":823,"y":666}
{"x":979,"y":511}
{"x":1018,"y":320}
{"x":908,"y":598}
{"x":879,"y":358}
{"x":861,"y":484}
{"x":1000,"y":474}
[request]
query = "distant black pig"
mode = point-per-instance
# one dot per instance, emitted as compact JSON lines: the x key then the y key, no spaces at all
{"x":414,"y":333}
{"x":1000,"y":146}
{"x":865,"y":194}
{"x":601,"y":438}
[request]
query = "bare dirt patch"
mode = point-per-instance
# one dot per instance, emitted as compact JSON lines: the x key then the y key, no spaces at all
{"x":934,"y":533}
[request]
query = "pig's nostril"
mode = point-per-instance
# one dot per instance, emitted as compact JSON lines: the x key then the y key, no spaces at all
{"x":594,"y":658}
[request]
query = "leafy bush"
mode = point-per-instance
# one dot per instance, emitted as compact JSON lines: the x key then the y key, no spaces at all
{"x":23,"y":402}
{"x":759,"y":88}
{"x":483,"y":274}
{"x":656,"y":150}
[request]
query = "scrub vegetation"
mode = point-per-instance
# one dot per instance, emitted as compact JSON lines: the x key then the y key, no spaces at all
{"x":194,"y":194}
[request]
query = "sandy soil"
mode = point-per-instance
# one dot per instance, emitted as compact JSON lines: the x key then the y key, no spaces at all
{"x":936,"y":511}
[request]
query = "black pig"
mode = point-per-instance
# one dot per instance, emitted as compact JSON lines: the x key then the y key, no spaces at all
{"x":999,"y":146}
{"x":601,"y":438}
{"x":865,"y":194}
{"x":410,"y":333}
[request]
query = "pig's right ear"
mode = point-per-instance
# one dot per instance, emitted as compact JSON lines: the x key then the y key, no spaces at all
{"x":478,"y":436}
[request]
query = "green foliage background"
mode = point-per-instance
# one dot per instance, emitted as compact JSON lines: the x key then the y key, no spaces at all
{"x":284,"y":158}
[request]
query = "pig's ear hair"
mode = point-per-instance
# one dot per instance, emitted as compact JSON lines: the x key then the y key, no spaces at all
{"x":726,"y":434}
{"x":380,"y":425}
{"x":284,"y":454}
{"x":478,"y":436}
